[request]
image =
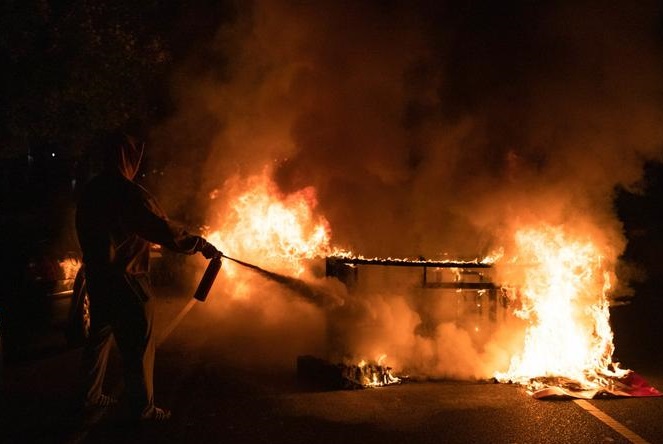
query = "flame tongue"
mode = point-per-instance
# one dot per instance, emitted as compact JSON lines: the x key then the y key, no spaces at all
{"x":563,"y":297}
{"x":265,"y":226}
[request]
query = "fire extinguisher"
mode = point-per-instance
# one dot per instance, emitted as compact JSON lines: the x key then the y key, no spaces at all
{"x":208,"y":278}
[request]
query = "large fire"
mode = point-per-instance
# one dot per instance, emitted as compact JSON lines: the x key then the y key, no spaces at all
{"x":562,"y":296}
{"x":560,"y":280}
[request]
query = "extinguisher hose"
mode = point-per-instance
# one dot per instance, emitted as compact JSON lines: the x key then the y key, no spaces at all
{"x":297,"y":285}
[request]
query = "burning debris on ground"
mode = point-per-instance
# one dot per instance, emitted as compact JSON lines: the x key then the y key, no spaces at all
{"x":628,"y":384}
{"x":324,"y":375}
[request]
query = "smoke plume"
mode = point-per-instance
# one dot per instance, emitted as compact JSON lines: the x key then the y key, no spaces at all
{"x":426,"y":128}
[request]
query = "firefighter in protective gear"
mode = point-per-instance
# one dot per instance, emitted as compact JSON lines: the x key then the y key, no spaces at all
{"x":116,"y":220}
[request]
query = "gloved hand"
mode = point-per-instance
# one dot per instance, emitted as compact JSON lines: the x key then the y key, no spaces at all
{"x":208,"y":250}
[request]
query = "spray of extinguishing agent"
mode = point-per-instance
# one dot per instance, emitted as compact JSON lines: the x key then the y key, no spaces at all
{"x":297,"y":285}
{"x":212,"y":271}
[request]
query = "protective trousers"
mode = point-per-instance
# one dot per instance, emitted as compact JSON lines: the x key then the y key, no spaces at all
{"x":119,"y":308}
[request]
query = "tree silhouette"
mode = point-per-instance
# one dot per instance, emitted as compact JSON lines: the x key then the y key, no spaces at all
{"x":75,"y":68}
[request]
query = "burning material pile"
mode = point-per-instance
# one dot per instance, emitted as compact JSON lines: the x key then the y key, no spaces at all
{"x":320,"y":373}
{"x":371,"y":374}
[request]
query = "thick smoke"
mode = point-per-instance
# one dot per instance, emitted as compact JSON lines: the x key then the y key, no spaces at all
{"x":428,"y":128}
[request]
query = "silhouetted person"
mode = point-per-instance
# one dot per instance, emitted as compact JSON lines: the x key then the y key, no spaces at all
{"x":116,"y":220}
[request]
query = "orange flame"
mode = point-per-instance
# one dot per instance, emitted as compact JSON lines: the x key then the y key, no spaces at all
{"x":266,"y":226}
{"x":563,"y":299}
{"x":69,"y":267}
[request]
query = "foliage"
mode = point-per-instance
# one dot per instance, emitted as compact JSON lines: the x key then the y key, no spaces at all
{"x":76,"y":68}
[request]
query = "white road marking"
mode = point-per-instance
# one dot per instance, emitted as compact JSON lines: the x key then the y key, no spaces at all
{"x":611,"y":422}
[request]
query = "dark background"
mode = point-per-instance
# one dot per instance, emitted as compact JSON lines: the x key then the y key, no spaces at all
{"x":73,"y":70}
{"x":638,"y":326}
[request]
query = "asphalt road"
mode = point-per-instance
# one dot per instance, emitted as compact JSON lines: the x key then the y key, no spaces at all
{"x":217,"y":400}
